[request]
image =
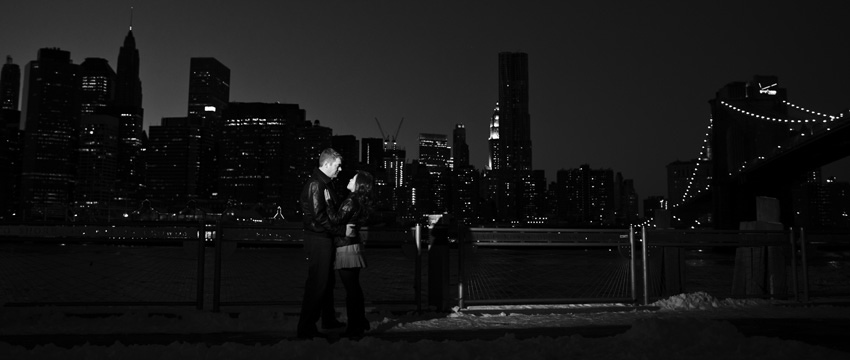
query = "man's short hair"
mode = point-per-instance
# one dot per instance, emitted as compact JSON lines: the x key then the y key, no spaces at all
{"x":328,"y":156}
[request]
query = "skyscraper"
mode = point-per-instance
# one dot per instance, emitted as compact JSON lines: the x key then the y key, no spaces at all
{"x":372,"y":152}
{"x":97,"y":86}
{"x":10,"y":140}
{"x":173,"y":166}
{"x":460,"y":149}
{"x":435,"y":154}
{"x":257,"y":159}
{"x":586,"y":197}
{"x":52,"y":120}
{"x":128,"y":109}
{"x":510,"y":138}
{"x":463,"y":189}
{"x":209,"y":94}
{"x":10,"y":85}
{"x":97,"y":165}
{"x":514,"y":118}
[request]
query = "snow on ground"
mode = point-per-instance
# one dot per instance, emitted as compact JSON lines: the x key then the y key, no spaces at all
{"x":683,"y":326}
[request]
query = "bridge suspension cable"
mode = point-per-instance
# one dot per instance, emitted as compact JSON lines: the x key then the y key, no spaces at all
{"x":796,"y":121}
{"x":691,"y":190}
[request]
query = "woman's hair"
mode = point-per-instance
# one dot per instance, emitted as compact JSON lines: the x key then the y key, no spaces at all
{"x":363,"y":192}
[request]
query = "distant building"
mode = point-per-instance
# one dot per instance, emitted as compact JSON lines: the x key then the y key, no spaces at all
{"x":97,"y":170}
{"x":821,"y":205}
{"x":173,"y":160}
{"x":10,"y":164}
{"x":349,"y":147}
{"x":510,"y":137}
{"x":652,"y":203}
{"x":209,"y":94}
{"x":11,"y":137}
{"x":626,"y":205}
{"x":97,"y":86}
{"x":52,"y":120}
{"x":372,"y":152}
{"x":464,"y":196}
{"x":128,"y":109}
{"x":10,"y":85}
{"x":586,"y":197}
{"x":460,"y":149}
{"x":257,"y":155}
{"x":435,"y":154}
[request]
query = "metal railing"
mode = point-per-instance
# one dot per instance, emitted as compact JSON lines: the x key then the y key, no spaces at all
{"x":556,"y":243}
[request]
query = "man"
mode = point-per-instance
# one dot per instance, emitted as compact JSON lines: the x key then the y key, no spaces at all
{"x":317,"y":198}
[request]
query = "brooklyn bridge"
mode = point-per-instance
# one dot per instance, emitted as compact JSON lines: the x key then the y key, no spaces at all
{"x":758,"y":143}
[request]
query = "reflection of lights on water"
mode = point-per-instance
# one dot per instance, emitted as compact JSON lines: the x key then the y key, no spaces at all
{"x":834,"y":264}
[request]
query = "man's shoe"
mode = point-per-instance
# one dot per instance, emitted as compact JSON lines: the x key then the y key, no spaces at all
{"x":334,"y":325}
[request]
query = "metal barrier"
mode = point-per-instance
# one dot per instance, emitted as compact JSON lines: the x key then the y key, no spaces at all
{"x":84,"y":265}
{"x":508,"y":258}
{"x":264,"y":265}
{"x":672,"y":259}
{"x":825,"y":269}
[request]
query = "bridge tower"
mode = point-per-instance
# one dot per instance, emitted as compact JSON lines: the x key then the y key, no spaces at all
{"x":741,"y":136}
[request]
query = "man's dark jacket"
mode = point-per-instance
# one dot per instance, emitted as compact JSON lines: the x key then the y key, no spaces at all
{"x":317,"y":197}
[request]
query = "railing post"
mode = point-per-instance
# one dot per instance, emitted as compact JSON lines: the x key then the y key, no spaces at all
{"x":793,"y":264}
{"x":217,"y":268}
{"x":645,"y":272}
{"x":418,"y":272}
{"x":201,"y":258}
{"x":461,"y":239}
{"x":805,"y":265}
{"x":632,"y":264}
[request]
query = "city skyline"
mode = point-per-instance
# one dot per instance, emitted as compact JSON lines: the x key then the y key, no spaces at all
{"x":592,"y":71}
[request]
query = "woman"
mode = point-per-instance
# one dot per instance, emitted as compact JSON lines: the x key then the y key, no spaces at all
{"x":354,"y":211}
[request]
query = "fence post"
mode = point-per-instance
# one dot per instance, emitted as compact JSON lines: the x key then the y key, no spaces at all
{"x":217,"y":268}
{"x":793,"y":265}
{"x":645,"y":272}
{"x":460,"y":273}
{"x":200,"y":262}
{"x":805,"y":265}
{"x":418,"y":272}
{"x":632,"y":263}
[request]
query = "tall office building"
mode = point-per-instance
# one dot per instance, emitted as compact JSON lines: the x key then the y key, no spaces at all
{"x":626,"y":202}
{"x":463,"y":189}
{"x":514,"y":118}
{"x":435,"y":154}
{"x":494,"y":158}
{"x":97,"y":168}
{"x":257,"y":155}
{"x":209,"y":94}
{"x":173,"y":163}
{"x":10,"y":141}
{"x":532,"y":197}
{"x":586,"y":197}
{"x":349,"y":147}
{"x":460,"y":149}
{"x":10,"y":85}
{"x":510,"y":137}
{"x":372,"y":152}
{"x":128,"y":109}
{"x":97,"y":86}
{"x":52,"y":120}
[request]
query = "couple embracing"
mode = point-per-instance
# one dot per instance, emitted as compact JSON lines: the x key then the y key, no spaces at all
{"x":332,"y":242}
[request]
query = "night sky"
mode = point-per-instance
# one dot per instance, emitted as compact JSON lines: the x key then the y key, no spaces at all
{"x":621,"y":86}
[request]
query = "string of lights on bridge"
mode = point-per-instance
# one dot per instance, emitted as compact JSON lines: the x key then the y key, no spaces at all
{"x":798,"y":121}
{"x":691,"y":189}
